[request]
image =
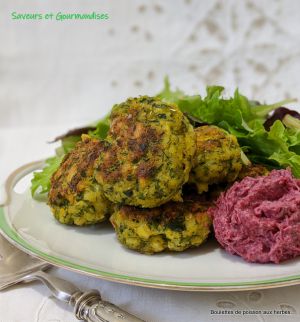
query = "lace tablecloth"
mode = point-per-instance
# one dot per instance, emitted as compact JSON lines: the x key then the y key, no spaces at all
{"x":55,"y":75}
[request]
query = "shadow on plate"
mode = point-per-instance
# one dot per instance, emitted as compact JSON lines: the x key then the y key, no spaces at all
{"x":104,"y":228}
{"x":210,"y":246}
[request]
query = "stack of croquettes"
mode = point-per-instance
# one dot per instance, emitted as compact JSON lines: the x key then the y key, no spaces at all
{"x":138,"y":177}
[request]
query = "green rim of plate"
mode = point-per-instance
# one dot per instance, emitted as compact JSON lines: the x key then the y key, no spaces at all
{"x":12,"y":235}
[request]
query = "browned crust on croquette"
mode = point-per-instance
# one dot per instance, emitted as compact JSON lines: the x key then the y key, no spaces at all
{"x":80,"y":161}
{"x":167,"y":212}
{"x":134,"y":135}
{"x":110,"y":168}
{"x":138,"y":141}
{"x":146,"y":170}
{"x":216,"y":135}
{"x":254,"y":170}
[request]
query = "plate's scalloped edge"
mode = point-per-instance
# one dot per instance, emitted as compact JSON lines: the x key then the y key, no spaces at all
{"x":23,"y":245}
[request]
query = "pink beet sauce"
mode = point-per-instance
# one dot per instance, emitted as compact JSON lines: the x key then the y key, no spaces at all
{"x":259,"y":218}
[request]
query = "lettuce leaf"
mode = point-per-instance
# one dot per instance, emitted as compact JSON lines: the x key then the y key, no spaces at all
{"x":40,"y":184}
{"x":170,"y":96}
{"x":283,"y":153}
{"x":102,"y":128}
{"x":278,"y":147}
{"x":237,"y":111}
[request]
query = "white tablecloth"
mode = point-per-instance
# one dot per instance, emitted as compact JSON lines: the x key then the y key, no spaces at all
{"x":55,"y":75}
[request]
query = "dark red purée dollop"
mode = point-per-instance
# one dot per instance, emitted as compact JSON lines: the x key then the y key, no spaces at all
{"x":259,"y":218}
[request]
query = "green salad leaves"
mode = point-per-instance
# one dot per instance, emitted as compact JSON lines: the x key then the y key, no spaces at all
{"x":245,"y":119}
{"x":40,"y":184}
{"x":277,"y":148}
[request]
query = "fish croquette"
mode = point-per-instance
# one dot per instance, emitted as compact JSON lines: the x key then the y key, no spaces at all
{"x":149,"y":154}
{"x":75,"y":197}
{"x":174,"y":226}
{"x":217,"y":157}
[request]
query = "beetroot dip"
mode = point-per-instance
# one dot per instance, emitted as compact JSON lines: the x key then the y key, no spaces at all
{"x":259,"y":218}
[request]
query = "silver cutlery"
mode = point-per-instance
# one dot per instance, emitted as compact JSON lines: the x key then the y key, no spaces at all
{"x":17,"y":267}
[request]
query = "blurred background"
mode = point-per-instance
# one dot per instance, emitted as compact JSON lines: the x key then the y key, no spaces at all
{"x":72,"y":72}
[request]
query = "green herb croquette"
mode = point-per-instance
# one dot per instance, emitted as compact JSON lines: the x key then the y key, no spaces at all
{"x":174,"y":226}
{"x":149,"y":153}
{"x":75,"y":197}
{"x":217,"y":157}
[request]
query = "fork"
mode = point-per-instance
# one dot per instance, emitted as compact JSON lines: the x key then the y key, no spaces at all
{"x":17,"y":267}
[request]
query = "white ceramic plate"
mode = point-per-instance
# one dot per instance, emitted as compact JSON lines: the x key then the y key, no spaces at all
{"x":30,"y":226}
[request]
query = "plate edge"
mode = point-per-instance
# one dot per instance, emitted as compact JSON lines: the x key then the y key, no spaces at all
{"x":20,"y":243}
